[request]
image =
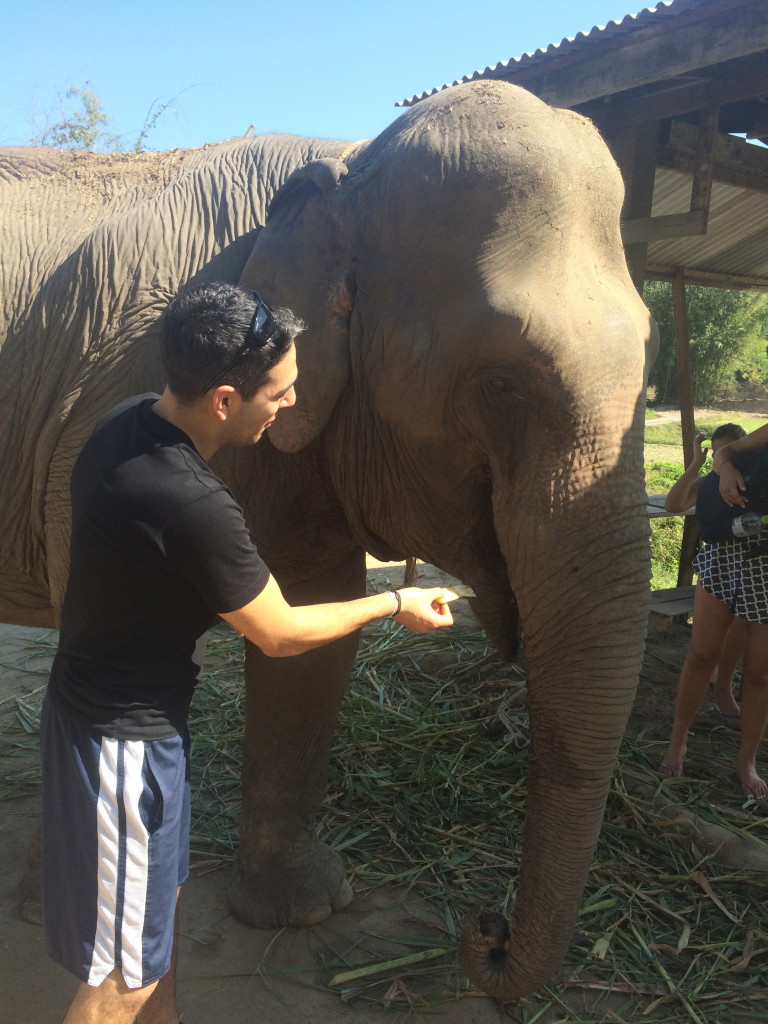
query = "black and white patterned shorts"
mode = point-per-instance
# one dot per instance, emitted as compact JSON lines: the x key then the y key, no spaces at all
{"x":736,"y":572}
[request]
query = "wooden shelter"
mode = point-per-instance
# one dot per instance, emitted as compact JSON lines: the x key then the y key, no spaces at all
{"x":671,"y":89}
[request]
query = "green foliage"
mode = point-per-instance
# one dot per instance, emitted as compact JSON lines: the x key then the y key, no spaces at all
{"x":753,"y":359}
{"x":155,"y":111}
{"x":672,"y":433}
{"x":83,"y":123}
{"x":666,"y":538}
{"x":728,"y":339}
{"x":660,"y":476}
{"x":666,"y":533}
{"x":665,"y":433}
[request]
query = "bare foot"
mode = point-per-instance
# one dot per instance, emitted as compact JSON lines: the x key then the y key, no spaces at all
{"x":726,"y":706}
{"x":752,"y":785}
{"x":671,"y":769}
{"x":729,"y":721}
{"x":672,"y":765}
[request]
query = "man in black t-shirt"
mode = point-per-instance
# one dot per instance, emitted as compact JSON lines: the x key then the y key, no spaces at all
{"x":159,"y":552}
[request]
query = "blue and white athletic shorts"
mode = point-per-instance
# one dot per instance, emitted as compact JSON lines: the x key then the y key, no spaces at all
{"x":115,"y":848}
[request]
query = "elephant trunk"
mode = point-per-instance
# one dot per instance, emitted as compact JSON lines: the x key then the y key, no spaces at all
{"x":581,"y":578}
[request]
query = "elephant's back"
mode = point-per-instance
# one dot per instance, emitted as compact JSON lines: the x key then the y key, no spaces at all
{"x":93,"y":248}
{"x":52,"y":200}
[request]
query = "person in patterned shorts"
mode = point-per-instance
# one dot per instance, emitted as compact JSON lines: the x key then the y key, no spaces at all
{"x":682,"y":495}
{"x":732,"y":582}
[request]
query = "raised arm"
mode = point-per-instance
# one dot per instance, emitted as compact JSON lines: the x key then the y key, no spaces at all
{"x":682,"y":494}
{"x":281,"y":630}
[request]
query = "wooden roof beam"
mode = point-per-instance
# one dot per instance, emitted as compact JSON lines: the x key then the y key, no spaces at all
{"x":671,"y":225}
{"x":733,"y":282}
{"x":695,"y":39}
{"x":731,"y":82}
{"x":677,"y":225}
{"x":736,"y":162}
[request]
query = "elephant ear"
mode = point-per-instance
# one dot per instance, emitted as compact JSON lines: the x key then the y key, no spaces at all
{"x":300,"y":261}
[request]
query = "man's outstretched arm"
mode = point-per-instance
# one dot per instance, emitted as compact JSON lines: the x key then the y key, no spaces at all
{"x":281,"y":630}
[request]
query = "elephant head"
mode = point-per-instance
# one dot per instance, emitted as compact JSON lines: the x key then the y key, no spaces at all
{"x":474,"y":373}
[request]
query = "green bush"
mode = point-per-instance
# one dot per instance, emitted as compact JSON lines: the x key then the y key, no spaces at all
{"x":727,"y":332}
{"x":659,"y":476}
{"x":672,"y":433}
{"x":666,"y":533}
{"x":666,"y":537}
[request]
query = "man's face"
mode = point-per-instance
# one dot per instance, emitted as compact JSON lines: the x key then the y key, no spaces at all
{"x":258,"y":413}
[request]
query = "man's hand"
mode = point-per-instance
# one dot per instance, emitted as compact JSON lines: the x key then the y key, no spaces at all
{"x":699,"y":453}
{"x":423,"y":610}
{"x":732,"y":487}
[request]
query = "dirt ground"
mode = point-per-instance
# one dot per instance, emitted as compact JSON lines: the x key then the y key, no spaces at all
{"x":227,"y":970}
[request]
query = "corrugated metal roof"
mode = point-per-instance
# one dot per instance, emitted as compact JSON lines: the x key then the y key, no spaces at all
{"x":735,"y":243}
{"x":583,"y":40}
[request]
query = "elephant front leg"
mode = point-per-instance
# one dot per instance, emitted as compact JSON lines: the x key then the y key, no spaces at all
{"x":284,"y":875}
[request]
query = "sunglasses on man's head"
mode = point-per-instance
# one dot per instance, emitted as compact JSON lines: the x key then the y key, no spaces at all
{"x":261,"y":331}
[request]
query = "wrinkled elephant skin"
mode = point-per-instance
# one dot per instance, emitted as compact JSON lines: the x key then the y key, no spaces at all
{"x":471,"y":391}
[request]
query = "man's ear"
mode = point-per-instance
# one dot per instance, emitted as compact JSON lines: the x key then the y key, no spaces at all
{"x":224,"y":400}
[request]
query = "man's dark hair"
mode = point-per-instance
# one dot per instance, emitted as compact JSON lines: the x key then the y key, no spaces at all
{"x":202,"y":333}
{"x":730,"y":430}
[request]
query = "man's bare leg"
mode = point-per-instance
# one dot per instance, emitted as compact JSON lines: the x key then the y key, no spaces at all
{"x":111,"y":1001}
{"x":160,"y":1008}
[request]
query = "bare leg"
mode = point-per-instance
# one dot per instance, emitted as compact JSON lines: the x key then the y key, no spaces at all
{"x":754,"y":709}
{"x":115,"y":1003}
{"x":733,"y":650}
{"x":160,"y":1008}
{"x":111,"y":1001}
{"x":711,"y":619}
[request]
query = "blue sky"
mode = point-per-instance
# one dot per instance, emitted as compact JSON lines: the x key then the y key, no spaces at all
{"x":328,"y":68}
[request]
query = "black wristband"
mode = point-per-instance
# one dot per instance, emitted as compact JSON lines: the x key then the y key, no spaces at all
{"x":398,"y":603}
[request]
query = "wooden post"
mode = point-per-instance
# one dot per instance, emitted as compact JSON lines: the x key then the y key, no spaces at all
{"x":634,"y":150}
{"x":410,"y":573}
{"x":683,"y":357}
{"x":701,"y":189}
{"x":690,"y":541}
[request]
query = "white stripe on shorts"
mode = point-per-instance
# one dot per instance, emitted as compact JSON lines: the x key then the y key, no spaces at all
{"x":122,"y":890}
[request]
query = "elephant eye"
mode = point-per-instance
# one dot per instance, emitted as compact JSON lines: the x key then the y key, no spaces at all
{"x":501,"y":386}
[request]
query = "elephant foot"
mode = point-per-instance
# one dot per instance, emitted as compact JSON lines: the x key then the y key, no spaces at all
{"x":279,"y":894}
